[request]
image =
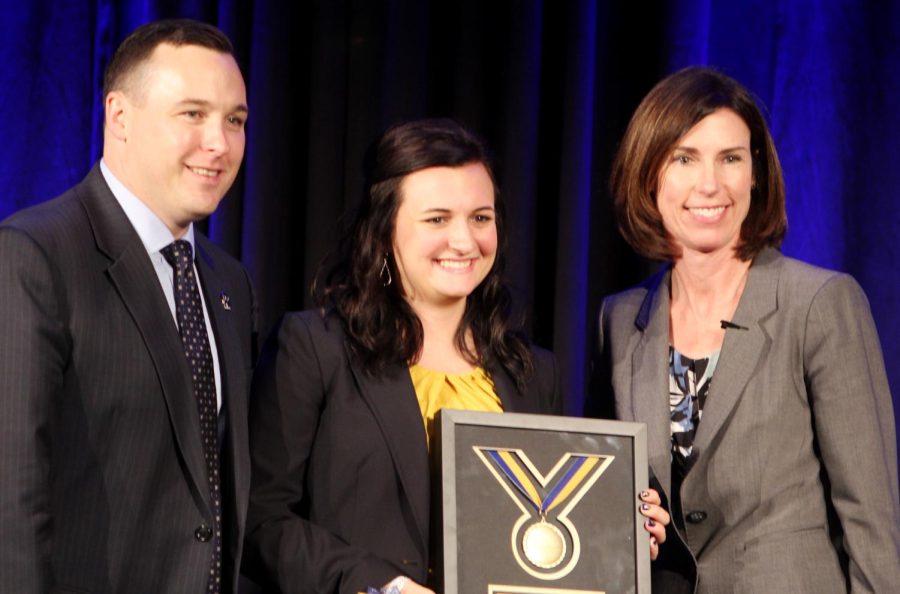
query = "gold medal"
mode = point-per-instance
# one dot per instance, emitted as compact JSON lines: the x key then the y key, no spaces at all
{"x":547,"y":550}
{"x":544,"y":545}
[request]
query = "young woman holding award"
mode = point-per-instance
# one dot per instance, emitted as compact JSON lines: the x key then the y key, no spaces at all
{"x":413,"y":318}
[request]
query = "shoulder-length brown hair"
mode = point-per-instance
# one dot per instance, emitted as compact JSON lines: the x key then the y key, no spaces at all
{"x":381,"y":326}
{"x":666,"y":114}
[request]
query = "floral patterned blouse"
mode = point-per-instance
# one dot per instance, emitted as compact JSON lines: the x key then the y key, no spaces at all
{"x":689,"y":381}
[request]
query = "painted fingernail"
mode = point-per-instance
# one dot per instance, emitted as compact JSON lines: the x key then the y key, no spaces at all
{"x":651,"y":523}
{"x":645,"y":506}
{"x":653,"y":540}
{"x":645,"y":494}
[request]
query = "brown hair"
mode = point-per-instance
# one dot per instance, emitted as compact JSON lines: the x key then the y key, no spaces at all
{"x":381,"y":326}
{"x":138,"y":46}
{"x":666,"y":114}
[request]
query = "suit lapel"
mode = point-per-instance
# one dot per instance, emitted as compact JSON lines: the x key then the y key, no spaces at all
{"x":649,"y":377}
{"x":393,"y":402}
{"x":232,"y":370}
{"x":510,"y":398}
{"x":741,"y":349}
{"x":134,"y":278}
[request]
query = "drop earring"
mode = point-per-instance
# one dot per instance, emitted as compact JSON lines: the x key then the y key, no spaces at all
{"x":385,"y":270}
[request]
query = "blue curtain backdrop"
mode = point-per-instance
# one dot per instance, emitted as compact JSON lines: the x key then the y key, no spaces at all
{"x":550,"y":84}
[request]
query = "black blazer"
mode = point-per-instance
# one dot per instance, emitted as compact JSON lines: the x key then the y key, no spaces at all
{"x":104,"y":484}
{"x":340,"y":497}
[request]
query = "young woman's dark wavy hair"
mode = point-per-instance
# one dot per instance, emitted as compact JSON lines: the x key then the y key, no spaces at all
{"x":380,"y":324}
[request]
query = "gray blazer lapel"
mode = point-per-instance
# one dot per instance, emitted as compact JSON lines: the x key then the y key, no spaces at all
{"x":393,"y":401}
{"x":741,"y":349}
{"x":650,"y":378}
{"x":133,"y":276}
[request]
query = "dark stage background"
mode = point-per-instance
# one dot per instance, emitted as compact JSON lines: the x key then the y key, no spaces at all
{"x":550,"y":84}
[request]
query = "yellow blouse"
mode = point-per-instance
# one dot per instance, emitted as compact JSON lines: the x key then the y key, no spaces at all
{"x":466,"y":391}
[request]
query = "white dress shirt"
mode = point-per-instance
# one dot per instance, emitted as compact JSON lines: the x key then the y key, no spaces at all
{"x":155,"y":235}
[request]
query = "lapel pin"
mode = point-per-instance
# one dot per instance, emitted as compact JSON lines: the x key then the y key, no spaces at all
{"x":226,"y":301}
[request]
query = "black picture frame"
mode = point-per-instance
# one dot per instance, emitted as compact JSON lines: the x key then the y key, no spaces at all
{"x":539,"y":504}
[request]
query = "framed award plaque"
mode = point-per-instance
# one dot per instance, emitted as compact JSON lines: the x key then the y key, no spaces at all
{"x":538,"y":504}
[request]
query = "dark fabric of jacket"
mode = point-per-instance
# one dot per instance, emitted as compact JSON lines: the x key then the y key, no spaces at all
{"x":104,"y":482}
{"x":341,"y":481}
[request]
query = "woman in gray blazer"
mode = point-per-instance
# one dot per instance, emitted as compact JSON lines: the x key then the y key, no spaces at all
{"x":414,"y":317}
{"x":761,"y":379}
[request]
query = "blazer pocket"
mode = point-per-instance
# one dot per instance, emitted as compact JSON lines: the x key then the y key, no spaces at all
{"x":800,"y":561}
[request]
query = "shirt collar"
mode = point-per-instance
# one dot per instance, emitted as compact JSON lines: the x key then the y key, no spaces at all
{"x":153,"y":232}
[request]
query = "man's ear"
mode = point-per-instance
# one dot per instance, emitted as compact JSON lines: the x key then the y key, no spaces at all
{"x":117,"y":109}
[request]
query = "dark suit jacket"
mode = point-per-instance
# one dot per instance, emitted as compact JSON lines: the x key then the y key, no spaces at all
{"x":340,"y":496}
{"x":794,"y":487}
{"x":104,"y":482}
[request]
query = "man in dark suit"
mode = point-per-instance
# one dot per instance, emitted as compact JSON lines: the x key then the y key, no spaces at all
{"x":127,"y":341}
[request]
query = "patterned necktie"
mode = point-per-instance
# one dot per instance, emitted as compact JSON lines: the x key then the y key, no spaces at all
{"x":192,"y":326}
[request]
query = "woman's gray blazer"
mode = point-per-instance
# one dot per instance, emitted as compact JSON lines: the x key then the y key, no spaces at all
{"x":794,"y":488}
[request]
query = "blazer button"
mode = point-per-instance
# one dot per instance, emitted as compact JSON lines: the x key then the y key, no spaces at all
{"x":695,"y":517}
{"x":203,"y":533}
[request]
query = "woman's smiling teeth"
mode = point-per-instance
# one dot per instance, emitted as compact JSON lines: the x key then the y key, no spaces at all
{"x":454,"y":264}
{"x":707,"y":213}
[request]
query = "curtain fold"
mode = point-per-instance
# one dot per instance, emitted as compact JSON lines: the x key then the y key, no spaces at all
{"x":550,"y":85}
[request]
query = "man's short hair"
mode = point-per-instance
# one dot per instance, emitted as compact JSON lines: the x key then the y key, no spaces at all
{"x":138,"y":46}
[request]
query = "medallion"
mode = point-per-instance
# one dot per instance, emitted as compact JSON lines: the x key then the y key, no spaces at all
{"x":544,"y":545}
{"x":544,"y":541}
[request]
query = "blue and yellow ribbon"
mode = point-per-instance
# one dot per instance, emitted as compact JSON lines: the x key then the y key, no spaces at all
{"x":511,"y":466}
